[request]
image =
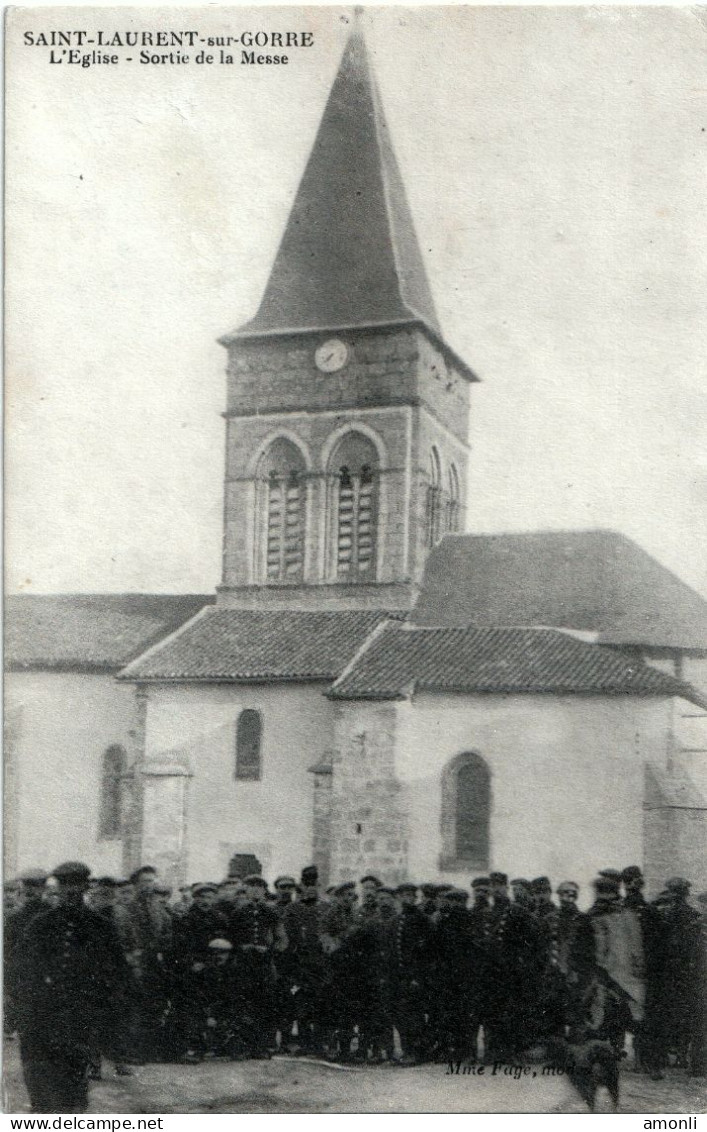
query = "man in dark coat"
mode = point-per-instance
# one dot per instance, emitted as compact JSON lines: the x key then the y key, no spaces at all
{"x":649,"y":1034}
{"x":456,"y":970}
{"x":512,"y":962}
{"x":411,"y":957}
{"x":338,"y":1000}
{"x":150,"y":926}
{"x":258,"y":935}
{"x":71,"y":973}
{"x":16,"y":924}
{"x":303,"y":971}
{"x":682,"y":988}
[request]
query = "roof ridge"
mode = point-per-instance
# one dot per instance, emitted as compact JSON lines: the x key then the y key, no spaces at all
{"x":124,"y":673}
{"x":372,"y":636}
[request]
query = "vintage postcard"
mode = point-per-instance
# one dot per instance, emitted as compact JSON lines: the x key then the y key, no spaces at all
{"x":355,"y":616}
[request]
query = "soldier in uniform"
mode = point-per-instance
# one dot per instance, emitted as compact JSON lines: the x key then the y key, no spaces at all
{"x":411,"y":958}
{"x":456,"y":970}
{"x":681,"y":974}
{"x":512,"y":966}
{"x":303,"y":923}
{"x":257,"y":934}
{"x":72,"y":970}
{"x":338,"y":991}
{"x":193,"y":931}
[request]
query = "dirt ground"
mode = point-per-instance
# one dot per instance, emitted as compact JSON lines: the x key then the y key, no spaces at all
{"x":286,"y":1085}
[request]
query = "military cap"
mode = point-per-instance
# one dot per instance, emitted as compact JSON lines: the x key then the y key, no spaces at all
{"x":522,"y":881}
{"x":347,"y":886}
{"x":428,"y":890}
{"x":372,"y":880}
{"x":540,"y":884}
{"x":205,"y":886}
{"x":631,"y":872}
{"x":610,"y":874}
{"x":256,"y":881}
{"x":481,"y":882}
{"x":285,"y":882}
{"x":165,"y":890}
{"x":331,"y":890}
{"x":220,"y":945}
{"x":568,"y":884}
{"x":664,"y":898}
{"x":442,"y":888}
{"x":105,"y":882}
{"x":72,"y":872}
{"x":309,"y":875}
{"x":387,"y":889}
{"x":406,"y":886}
{"x":604,"y":884}
{"x":122,"y":882}
{"x":678,"y":885}
{"x":457,"y":895}
{"x":141,"y":872}
{"x":498,"y":878}
{"x":33,"y":878}
{"x":702,"y":898}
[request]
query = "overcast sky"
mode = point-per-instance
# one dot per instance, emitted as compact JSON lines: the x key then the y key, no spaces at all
{"x":555,"y":161}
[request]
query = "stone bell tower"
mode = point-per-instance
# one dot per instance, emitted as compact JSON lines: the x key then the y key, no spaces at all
{"x":347,"y":414}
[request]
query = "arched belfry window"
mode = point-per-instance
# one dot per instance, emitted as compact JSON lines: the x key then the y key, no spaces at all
{"x":434,"y":499}
{"x":112,"y":772}
{"x":281,"y":513}
{"x":249,"y":736}
{"x":453,"y":500}
{"x":466,"y":813}
{"x":355,"y":468}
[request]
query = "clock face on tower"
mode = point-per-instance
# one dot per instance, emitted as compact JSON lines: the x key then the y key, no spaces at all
{"x":331,"y":355}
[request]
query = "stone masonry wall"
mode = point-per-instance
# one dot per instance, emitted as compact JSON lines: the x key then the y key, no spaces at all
{"x":368,"y":806}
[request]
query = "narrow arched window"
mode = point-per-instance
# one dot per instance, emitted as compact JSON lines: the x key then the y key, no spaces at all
{"x":453,"y":501}
{"x":466,"y":813}
{"x":281,"y":513}
{"x":113,"y":770}
{"x":433,"y":508}
{"x":249,"y":735}
{"x":355,"y":464}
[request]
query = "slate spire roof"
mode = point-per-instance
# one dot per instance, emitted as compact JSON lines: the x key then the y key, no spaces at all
{"x":349,"y":256}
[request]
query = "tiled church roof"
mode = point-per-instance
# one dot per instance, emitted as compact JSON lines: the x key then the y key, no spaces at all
{"x":402,"y":658}
{"x":272,"y":645}
{"x":598,"y":581}
{"x":90,"y":632}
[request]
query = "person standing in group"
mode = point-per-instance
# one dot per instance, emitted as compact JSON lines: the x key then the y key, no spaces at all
{"x":303,"y":923}
{"x":71,"y":975}
{"x":257,"y":934}
{"x":31,"y":887}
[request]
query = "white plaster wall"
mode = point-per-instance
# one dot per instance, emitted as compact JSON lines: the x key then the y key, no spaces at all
{"x":567,"y":778}
{"x":62,"y":724}
{"x":273,"y":817}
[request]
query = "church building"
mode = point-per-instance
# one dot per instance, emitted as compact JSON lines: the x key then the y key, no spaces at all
{"x":372,"y":689}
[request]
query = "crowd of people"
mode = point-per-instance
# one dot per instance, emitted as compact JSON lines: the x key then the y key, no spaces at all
{"x":129,"y":971}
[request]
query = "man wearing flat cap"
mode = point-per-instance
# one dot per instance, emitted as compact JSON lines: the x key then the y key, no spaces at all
{"x":71,"y":973}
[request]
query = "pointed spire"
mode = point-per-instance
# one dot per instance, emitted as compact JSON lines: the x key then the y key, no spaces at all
{"x":349,"y":255}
